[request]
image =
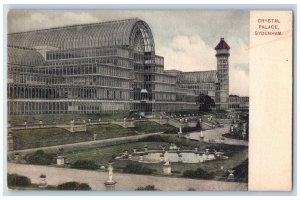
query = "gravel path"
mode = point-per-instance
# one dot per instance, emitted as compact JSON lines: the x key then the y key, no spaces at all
{"x":216,"y":135}
{"x":125,"y":182}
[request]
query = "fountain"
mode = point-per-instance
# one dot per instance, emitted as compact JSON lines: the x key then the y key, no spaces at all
{"x":172,"y":155}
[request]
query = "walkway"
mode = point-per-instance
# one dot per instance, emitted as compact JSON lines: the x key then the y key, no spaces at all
{"x":216,"y":135}
{"x":125,"y":182}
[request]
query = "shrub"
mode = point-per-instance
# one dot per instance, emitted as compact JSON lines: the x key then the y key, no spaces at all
{"x":39,"y":158}
{"x":154,"y":138}
{"x":84,"y":164}
{"x":137,"y":169}
{"x":148,"y":187}
{"x":198,"y":173}
{"x":14,"y":180}
{"x":73,"y":186}
{"x":191,"y":129}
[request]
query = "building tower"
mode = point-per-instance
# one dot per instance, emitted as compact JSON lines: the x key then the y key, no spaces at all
{"x":222,"y":87}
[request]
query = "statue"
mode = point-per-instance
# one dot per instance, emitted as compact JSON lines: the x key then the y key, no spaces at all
{"x":110,"y":183}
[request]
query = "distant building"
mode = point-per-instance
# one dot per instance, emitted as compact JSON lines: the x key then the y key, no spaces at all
{"x":103,"y":67}
{"x":238,"y":103}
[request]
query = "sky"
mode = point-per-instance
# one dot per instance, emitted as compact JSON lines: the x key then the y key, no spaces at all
{"x":185,"y":38}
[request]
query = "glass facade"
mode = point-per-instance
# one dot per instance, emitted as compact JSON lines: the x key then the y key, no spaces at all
{"x":92,"y":68}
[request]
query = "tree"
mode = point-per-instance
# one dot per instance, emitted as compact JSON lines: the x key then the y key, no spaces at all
{"x":206,"y":103}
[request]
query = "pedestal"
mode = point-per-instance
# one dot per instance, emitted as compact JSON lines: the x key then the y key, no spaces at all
{"x":167,"y":169}
{"x":110,"y":185}
{"x":201,"y":136}
{"x":141,"y":159}
{"x":231,"y":175}
{"x":201,"y":139}
{"x":43,"y":183}
{"x":60,"y":160}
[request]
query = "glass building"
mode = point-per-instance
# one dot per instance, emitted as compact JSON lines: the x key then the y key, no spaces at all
{"x":91,"y":68}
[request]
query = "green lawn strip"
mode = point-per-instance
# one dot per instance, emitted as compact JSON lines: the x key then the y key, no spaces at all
{"x":33,"y":138}
{"x":152,"y":127}
{"x":109,"y":131}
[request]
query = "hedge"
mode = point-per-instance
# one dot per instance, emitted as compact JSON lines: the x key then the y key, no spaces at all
{"x":198,"y":173}
{"x":73,"y":186}
{"x":137,"y":169}
{"x":40,"y":158}
{"x":148,"y":187}
{"x":84,"y":164}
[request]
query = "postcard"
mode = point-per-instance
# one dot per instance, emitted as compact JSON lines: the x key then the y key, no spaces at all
{"x":149,"y":100}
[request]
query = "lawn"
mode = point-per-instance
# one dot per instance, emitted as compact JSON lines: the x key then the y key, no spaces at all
{"x":153,"y":127}
{"x":41,"y":137}
{"x":32,"y":138}
{"x":109,"y":131}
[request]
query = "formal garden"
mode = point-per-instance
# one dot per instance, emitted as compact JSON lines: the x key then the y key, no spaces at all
{"x":96,"y":157}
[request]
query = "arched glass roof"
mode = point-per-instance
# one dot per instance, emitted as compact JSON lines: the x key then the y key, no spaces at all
{"x":197,"y":77}
{"x":113,"y":33}
{"x":24,"y":56}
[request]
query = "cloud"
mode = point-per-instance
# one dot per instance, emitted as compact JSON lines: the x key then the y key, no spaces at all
{"x":191,"y":53}
{"x":188,"y":54}
{"x":238,"y":82}
{"x":35,"y":20}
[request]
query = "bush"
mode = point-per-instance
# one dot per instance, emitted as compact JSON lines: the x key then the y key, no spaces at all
{"x":84,"y":164}
{"x":137,"y":169}
{"x":73,"y":186}
{"x":154,"y":138}
{"x":14,"y":180}
{"x":198,"y":173}
{"x":190,"y":129}
{"x":39,"y":158}
{"x":148,"y":187}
